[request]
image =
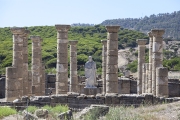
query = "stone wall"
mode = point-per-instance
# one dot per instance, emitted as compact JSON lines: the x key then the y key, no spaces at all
{"x":82,"y":101}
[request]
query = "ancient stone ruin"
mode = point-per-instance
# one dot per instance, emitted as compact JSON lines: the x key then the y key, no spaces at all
{"x":152,"y":84}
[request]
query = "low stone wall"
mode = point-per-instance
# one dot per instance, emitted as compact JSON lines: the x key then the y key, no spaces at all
{"x":82,"y":101}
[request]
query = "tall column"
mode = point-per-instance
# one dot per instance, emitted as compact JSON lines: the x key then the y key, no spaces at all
{"x":104,"y":59}
{"x":162,"y":82}
{"x":73,"y":66}
{"x":150,"y":63}
{"x":42,"y":70}
{"x":141,"y":60}
{"x":36,"y":65}
{"x":147,"y":78}
{"x":156,"y":55}
{"x":112,"y":60}
{"x":25,"y":63}
{"x":62,"y":59}
{"x":14,"y":74}
{"x":143,"y":77}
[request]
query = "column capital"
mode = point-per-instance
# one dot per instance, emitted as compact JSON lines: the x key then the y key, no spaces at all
{"x":17,"y":30}
{"x":73,"y":42}
{"x":26,"y":32}
{"x":150,"y":34}
{"x":157,"y":32}
{"x":141,"y":41}
{"x":112,"y":29}
{"x":62,"y":28}
{"x":35,"y":38}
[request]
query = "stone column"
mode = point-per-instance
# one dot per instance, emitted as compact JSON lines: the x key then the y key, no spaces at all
{"x":42,"y":70}
{"x":143,"y":77}
{"x":14,"y":74}
{"x":150,"y":63}
{"x":112,"y":60}
{"x":104,"y":59}
{"x":147,"y":78}
{"x":162,"y":82}
{"x":141,"y":60}
{"x":36,"y":65}
{"x":25,"y":64}
{"x":156,"y":55}
{"x":73,"y":66}
{"x":62,"y":59}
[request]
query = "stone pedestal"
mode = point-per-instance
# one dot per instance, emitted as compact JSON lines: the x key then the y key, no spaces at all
{"x":156,"y":55}
{"x":36,"y":65}
{"x":25,"y":64}
{"x":104,"y":60}
{"x":162,"y":82}
{"x":150,"y":63}
{"x":112,"y":60}
{"x":90,"y":91}
{"x":62,"y":59}
{"x":73,"y":66}
{"x":141,"y":60}
{"x":14,"y":75}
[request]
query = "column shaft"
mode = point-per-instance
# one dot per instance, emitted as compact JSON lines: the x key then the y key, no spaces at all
{"x":112,"y":60}
{"x":25,"y":64}
{"x":36,"y":65}
{"x":104,"y":61}
{"x":62,"y":59}
{"x":141,"y":60}
{"x":150,"y":63}
{"x":14,"y":75}
{"x":73,"y":66}
{"x":162,"y":82}
{"x":156,"y":55}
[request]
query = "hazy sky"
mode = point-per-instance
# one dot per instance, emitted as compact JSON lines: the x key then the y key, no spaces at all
{"x":50,"y":12}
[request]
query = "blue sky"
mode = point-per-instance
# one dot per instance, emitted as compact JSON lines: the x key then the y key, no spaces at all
{"x":22,"y":13}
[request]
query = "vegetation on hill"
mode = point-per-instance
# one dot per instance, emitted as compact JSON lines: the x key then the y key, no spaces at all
{"x":89,"y":44}
{"x":168,"y":21}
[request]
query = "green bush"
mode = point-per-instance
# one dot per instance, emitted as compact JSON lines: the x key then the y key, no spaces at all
{"x":6,"y":111}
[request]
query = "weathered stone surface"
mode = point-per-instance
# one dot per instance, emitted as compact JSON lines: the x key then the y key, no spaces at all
{"x":41,"y":113}
{"x":28,"y":116}
{"x":141,"y":60}
{"x":124,"y":87}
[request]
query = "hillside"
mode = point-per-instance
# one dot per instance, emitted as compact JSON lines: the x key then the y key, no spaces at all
{"x":168,"y":21}
{"x":89,"y":43}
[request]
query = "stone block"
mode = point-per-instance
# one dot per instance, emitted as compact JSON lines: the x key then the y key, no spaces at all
{"x":112,"y":87}
{"x":133,"y":87}
{"x":162,"y":71}
{"x":173,"y":89}
{"x":17,"y":47}
{"x":14,"y":84}
{"x":62,"y":35}
{"x":112,"y":77}
{"x":112,"y":52}
{"x":112,"y":60}
{"x":62,"y":48}
{"x":112,"y":45}
{"x":124,"y":87}
{"x":90,"y":91}
{"x":36,"y":89}
{"x":112,"y":36}
{"x":115,"y":100}
{"x":162,"y":91}
{"x":51,"y":85}
{"x":11,"y":72}
{"x":111,"y":68}
{"x":62,"y":68}
{"x":108,"y":100}
{"x":35,"y":54}
{"x":161,"y":80}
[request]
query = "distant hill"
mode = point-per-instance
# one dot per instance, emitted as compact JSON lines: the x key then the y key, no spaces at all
{"x":168,"y":21}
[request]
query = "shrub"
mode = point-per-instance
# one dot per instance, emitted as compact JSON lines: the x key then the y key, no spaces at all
{"x":6,"y":111}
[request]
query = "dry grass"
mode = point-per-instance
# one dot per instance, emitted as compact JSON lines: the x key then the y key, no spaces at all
{"x":152,"y":112}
